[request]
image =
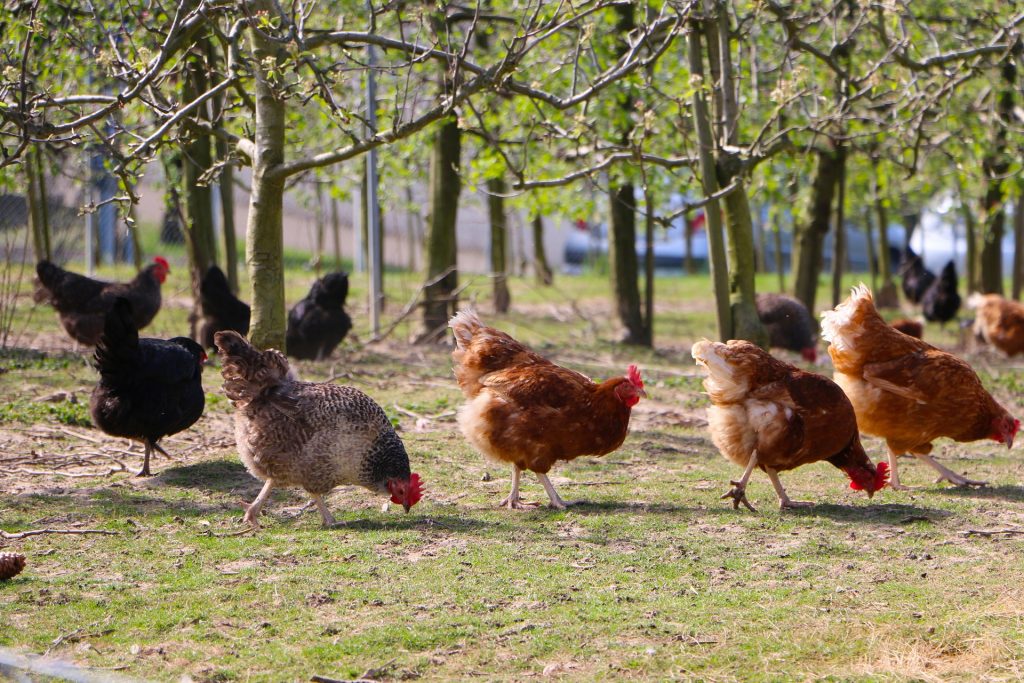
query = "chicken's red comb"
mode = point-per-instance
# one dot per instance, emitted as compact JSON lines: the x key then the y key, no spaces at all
{"x":415,"y":489}
{"x":162,"y":261}
{"x":881,"y":478}
{"x":633,"y":373}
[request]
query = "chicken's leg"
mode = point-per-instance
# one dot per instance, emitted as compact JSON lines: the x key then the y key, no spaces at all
{"x":894,"y":472}
{"x":784,"y":502}
{"x":738,"y":492}
{"x":556,"y":500}
{"x":325,"y":514}
{"x":946,"y":474}
{"x":512,"y":501}
{"x":144,"y":472}
{"x":252,"y":510}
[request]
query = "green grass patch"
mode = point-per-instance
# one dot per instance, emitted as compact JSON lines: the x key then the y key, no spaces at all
{"x":72,"y":413}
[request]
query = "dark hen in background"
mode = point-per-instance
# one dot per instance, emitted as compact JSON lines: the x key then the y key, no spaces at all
{"x":941,"y":302}
{"x":149,"y":388}
{"x":222,"y":310}
{"x":916,"y":278}
{"x":83,"y":303}
{"x":789,"y":324}
{"x":318,"y":323}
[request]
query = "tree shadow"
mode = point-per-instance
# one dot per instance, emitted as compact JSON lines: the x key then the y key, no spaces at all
{"x":123,"y":502}
{"x":1014,"y":493}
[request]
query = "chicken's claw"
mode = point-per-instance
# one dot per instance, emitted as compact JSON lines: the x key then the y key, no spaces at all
{"x":517,"y":504}
{"x":250,"y":516}
{"x":738,"y":493}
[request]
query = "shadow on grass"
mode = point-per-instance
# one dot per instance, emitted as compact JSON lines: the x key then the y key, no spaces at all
{"x":225,"y":476}
{"x":889,"y":513}
{"x":1014,"y":493}
{"x":118,"y":503}
{"x":410,"y":522}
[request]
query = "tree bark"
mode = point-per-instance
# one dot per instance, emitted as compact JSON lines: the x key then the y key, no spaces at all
{"x":336,"y":232}
{"x":1018,"y":247}
{"x":839,"y":243}
{"x":499,"y":243}
{"x":35,"y":197}
{"x":227,"y":212}
{"x":442,"y":247}
{"x":809,"y":237}
{"x":996,"y":165}
{"x":264,"y":245}
{"x":540,"y":257}
{"x":869,"y":238}
{"x":886,"y":296}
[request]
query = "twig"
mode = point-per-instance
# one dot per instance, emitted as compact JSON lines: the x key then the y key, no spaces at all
{"x":325,"y":679}
{"x":991,"y":532}
{"x":38,"y":532}
{"x":413,"y":303}
{"x":79,"y":436}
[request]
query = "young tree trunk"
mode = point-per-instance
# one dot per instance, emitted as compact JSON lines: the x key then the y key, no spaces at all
{"x":499,"y":243}
{"x":336,"y":232}
{"x":689,"y":266}
{"x":709,"y":181}
{"x":35,"y":197}
{"x":197,"y":160}
{"x":540,"y":258}
{"x":318,"y":256}
{"x":264,"y":244}
{"x":809,"y":237}
{"x":622,"y":225}
{"x":227,"y":212}
{"x":442,"y":247}
{"x":1018,"y":247}
{"x":839,"y":244}
{"x":746,"y":323}
{"x":869,"y":238}
{"x":996,"y":166}
{"x":886,"y":296}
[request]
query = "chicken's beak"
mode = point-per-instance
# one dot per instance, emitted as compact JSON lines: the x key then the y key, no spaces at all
{"x":1009,"y":442}
{"x":642,"y":394}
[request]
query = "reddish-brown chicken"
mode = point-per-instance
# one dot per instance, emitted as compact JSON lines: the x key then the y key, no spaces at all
{"x":907,"y":391}
{"x":769,"y":414}
{"x":999,"y":322}
{"x":526,"y":411}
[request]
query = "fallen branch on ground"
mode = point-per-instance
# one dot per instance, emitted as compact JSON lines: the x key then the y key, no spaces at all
{"x":38,"y":532}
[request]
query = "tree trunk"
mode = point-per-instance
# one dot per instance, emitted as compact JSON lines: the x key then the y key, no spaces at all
{"x":780,"y":264}
{"x":264,"y":244}
{"x":709,"y":181}
{"x":911,"y":219}
{"x":1018,"y":247}
{"x":869,"y":238}
{"x":689,"y":266}
{"x":540,"y":258}
{"x":499,"y":243}
{"x":839,"y":243}
{"x":886,"y":296}
{"x":622,"y":225}
{"x":442,"y":247}
{"x":318,"y":255}
{"x":336,"y":231}
{"x":197,"y":160}
{"x":996,"y":166}
{"x":227,"y":212}
{"x":648,"y":264}
{"x":35,"y":197}
{"x":809,"y":237}
{"x":746,"y":324}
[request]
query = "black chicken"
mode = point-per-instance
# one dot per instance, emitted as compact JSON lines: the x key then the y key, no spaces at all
{"x":222,"y":310}
{"x":319,"y":322}
{"x":789,"y":324}
{"x":149,"y":388}
{"x":916,"y":278}
{"x":941,"y":302}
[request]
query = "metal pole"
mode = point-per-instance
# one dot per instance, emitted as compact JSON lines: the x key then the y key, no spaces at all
{"x":372,"y":212}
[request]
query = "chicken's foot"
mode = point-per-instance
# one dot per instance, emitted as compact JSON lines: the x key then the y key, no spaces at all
{"x":946,"y":474}
{"x":252,"y":510}
{"x":784,"y":502}
{"x":556,"y":500}
{"x":894,"y":473}
{"x":512,"y":500}
{"x":738,"y":492}
{"x":159,"y":448}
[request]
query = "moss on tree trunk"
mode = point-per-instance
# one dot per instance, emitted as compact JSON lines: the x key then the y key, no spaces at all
{"x":499,"y":243}
{"x":442,"y":247}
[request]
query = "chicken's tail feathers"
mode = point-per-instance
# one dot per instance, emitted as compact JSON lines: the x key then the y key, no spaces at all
{"x":465,"y":324}
{"x":48,"y":275}
{"x":834,"y":322}
{"x":120,"y":336}
{"x":976,"y":300}
{"x":247,"y":371}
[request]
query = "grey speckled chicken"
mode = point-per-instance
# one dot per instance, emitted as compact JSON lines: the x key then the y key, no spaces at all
{"x":313,"y":435}
{"x":789,"y":324}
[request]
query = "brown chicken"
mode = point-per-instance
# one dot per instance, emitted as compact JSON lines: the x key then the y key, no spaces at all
{"x":769,"y":414}
{"x":83,"y":303}
{"x":907,"y":391}
{"x":524,"y":410}
{"x":999,"y":321}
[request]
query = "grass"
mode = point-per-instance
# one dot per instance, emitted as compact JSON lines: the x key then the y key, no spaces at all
{"x":653,"y":578}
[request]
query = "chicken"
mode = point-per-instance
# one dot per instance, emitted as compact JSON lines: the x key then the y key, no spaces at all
{"x":941,"y":302}
{"x":915,"y":328}
{"x":222,"y":310}
{"x":999,"y":321}
{"x":916,"y":278}
{"x":316,"y":436}
{"x":82,"y":303}
{"x":769,"y":414}
{"x":148,"y":388}
{"x":907,"y":391}
{"x":526,"y":411}
{"x":319,"y":322}
{"x":789,"y":324}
